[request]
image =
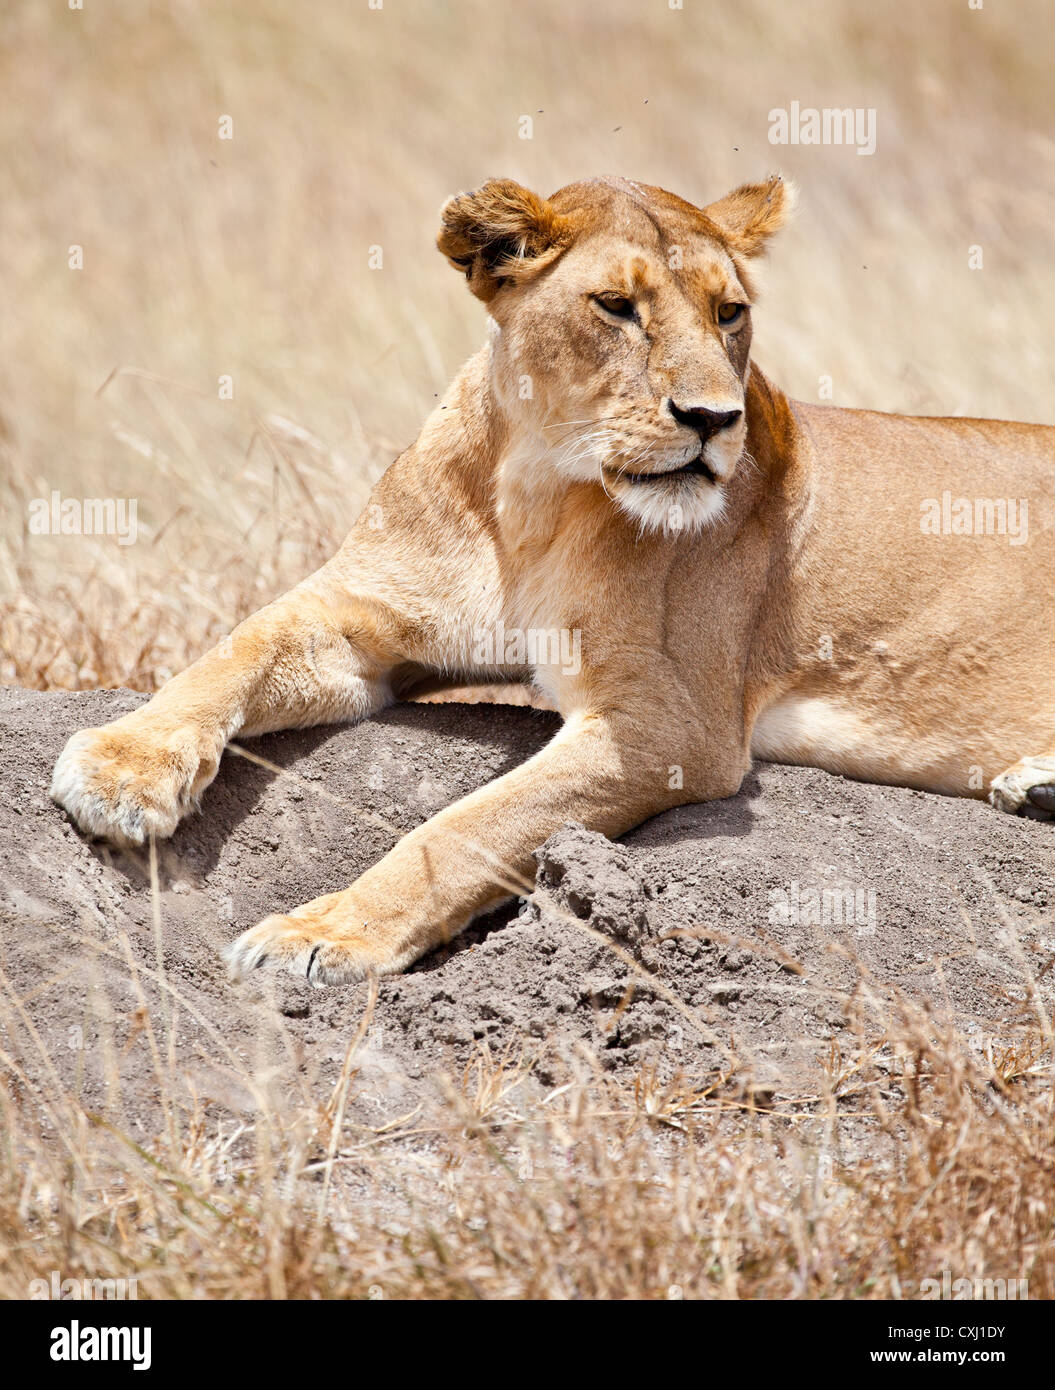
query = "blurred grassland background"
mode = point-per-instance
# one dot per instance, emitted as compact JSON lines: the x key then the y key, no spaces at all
{"x":249,"y":257}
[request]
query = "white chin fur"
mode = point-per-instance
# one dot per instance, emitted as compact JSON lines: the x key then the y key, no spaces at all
{"x":677,"y":508}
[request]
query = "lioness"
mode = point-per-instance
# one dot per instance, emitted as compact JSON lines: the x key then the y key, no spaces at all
{"x":745,"y":575}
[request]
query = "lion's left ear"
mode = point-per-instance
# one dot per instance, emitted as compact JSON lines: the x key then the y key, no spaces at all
{"x":499,"y":232}
{"x":749,"y":216}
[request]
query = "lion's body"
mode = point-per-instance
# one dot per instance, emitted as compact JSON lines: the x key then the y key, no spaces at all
{"x":715,"y":573}
{"x":937,"y":640}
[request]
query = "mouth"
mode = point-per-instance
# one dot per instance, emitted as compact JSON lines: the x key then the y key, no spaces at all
{"x":696,"y":468}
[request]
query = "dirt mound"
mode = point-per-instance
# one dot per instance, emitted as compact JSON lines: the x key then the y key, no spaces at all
{"x":737,"y":936}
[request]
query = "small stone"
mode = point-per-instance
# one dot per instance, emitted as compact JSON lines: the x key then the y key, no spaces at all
{"x":724,"y":991}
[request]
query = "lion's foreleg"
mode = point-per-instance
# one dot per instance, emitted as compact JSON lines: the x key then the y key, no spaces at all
{"x":313,"y":656}
{"x":601,"y":771}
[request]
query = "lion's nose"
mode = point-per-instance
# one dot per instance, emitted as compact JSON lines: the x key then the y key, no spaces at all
{"x":703,"y":419}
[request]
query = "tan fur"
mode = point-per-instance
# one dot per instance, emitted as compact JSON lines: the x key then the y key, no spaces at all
{"x":778,"y":598}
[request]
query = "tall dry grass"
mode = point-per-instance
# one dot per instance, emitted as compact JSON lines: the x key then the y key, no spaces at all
{"x":248,"y":258}
{"x":916,"y":1157}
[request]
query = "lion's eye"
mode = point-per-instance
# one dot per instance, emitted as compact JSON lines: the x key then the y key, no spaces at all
{"x":616,"y":304}
{"x":729,"y":313}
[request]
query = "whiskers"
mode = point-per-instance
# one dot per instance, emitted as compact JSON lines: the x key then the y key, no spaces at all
{"x":600,"y":439}
{"x":600,"y":450}
{"x":749,"y":465}
{"x":590,"y":443}
{"x":601,"y":479}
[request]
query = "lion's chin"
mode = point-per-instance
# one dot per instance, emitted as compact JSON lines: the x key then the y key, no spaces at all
{"x":671,"y":505}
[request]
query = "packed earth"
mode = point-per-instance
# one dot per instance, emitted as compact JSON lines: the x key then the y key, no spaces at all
{"x":740,"y":944}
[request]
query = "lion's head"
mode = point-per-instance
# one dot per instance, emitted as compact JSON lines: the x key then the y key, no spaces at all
{"x":621,"y":329}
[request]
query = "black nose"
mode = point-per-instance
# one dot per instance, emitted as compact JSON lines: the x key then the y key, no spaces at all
{"x":704,"y":421}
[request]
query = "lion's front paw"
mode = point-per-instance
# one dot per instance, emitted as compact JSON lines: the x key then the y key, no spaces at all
{"x":1030,"y":780}
{"x":122,"y":782}
{"x":326,"y":942}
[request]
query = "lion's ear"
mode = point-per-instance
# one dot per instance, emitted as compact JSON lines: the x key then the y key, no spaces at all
{"x":749,"y":216}
{"x":499,"y":232}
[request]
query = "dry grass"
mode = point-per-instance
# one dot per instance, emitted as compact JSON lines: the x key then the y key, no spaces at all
{"x":248,"y":258}
{"x":919,"y":1156}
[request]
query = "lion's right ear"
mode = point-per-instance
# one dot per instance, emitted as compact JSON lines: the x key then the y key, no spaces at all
{"x":499,"y":232}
